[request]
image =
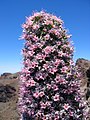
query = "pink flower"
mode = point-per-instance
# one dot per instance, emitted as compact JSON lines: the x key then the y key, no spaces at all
{"x":35,"y":38}
{"x":47,"y":36}
{"x":27,"y":43}
{"x":43,"y":57}
{"x":56,"y":97}
{"x":48,"y":49}
{"x":41,"y":94}
{"x":25,"y":26}
{"x":68,"y":75}
{"x":44,"y":29}
{"x":47,"y":22}
{"x":24,"y":36}
{"x":66,"y":106}
{"x":52,"y":70}
{"x":25,"y":70}
{"x":29,"y":112}
{"x":40,"y":56}
{"x":36,"y":94}
{"x":27,"y":84}
{"x":56,"y":32}
{"x":30,"y":53}
{"x":48,"y":103}
{"x":68,"y":91}
{"x":40,"y":75}
{"x":57,"y":113}
{"x":30,"y":82}
{"x":24,"y":108}
{"x":48,"y":86}
{"x":58,"y":42}
{"x":46,"y":66}
{"x":33,"y":47}
{"x":36,"y":14}
{"x":64,"y":69}
{"x":22,"y":89}
{"x":71,"y":62}
{"x":62,"y":81}
{"x":60,"y":53}
{"x":24,"y":52}
{"x":23,"y":78}
{"x":29,"y":21}
{"x":43,"y":105}
{"x":57,"y":79}
{"x":39,"y":45}
{"x":35,"y":27}
{"x":57,"y":62}
{"x":32,"y":64}
{"x":68,"y":36}
{"x":55,"y":87}
{"x":65,"y":54}
{"x":71,"y":49}
{"x":57,"y":19}
{"x":26,"y":62}
{"x":62,"y":62}
{"x":64,"y":46}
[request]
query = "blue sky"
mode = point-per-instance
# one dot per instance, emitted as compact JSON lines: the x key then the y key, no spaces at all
{"x":74,"y":13}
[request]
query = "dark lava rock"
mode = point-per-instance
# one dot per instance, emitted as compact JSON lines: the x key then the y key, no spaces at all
{"x":88,"y":73}
{"x":6,"y":92}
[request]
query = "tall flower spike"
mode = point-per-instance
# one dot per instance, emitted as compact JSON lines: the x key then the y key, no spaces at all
{"x":49,"y":82}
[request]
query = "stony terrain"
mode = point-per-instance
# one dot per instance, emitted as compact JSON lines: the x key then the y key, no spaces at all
{"x":8,"y":96}
{"x":84,"y":66}
{"x":9,"y":90}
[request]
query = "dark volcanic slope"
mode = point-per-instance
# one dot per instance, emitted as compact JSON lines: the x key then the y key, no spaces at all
{"x":85,"y":85}
{"x":8,"y":97}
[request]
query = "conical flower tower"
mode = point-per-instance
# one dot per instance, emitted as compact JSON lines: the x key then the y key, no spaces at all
{"x":49,"y":82}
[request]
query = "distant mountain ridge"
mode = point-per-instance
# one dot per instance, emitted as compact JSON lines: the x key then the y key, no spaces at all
{"x":7,"y":75}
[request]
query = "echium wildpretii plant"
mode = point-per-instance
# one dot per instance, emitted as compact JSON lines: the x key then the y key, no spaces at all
{"x":49,"y":82}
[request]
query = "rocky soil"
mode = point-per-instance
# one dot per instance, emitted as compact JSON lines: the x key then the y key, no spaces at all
{"x":9,"y":90}
{"x":9,"y":96}
{"x":84,"y":66}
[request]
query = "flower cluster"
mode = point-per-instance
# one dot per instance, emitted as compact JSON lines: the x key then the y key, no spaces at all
{"x":49,"y":82}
